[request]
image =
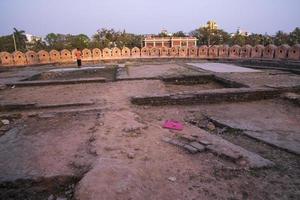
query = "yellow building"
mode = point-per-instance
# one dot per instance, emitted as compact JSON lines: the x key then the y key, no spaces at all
{"x":212,"y":25}
{"x":170,"y":42}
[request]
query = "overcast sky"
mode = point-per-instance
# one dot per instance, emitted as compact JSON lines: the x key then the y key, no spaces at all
{"x":40,"y":17}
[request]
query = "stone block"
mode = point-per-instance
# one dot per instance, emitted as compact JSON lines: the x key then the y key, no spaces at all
{"x":19,"y":58}
{"x":54,"y":56}
{"x":192,"y":52}
{"x":213,"y":51}
{"x":190,"y":148}
{"x":294,"y":52}
{"x":145,"y":52}
{"x":116,"y":52}
{"x":106,"y":53}
{"x":198,"y":146}
{"x":96,"y":54}
{"x":135,"y":52}
{"x":203,"y":51}
{"x":234,"y":51}
{"x":154,"y":52}
{"x":282,"y":51}
{"x":269,"y":51}
{"x":223,"y":51}
{"x":6,"y":58}
{"x":126,"y":52}
{"x":43,"y":57}
{"x":86,"y":54}
{"x":246,"y":51}
{"x":183,"y":52}
{"x":66,"y":55}
{"x":31,"y":57}
{"x":174,"y":51}
{"x":257,"y":51}
{"x":164,"y":52}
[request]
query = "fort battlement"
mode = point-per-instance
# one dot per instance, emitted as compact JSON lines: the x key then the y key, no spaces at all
{"x":269,"y":52}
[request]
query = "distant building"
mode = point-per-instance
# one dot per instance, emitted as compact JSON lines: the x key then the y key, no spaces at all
{"x":32,"y":38}
{"x":240,"y":32}
{"x":170,"y":42}
{"x":212,"y":25}
{"x":165,"y":32}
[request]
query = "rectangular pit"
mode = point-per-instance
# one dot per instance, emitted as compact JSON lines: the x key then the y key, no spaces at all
{"x":109,"y":73}
{"x":197,"y":83}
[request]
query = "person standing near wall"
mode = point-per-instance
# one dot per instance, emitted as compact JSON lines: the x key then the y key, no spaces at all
{"x":78,"y":57}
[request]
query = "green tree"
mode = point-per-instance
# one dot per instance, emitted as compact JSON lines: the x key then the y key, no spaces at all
{"x":105,"y":38}
{"x":7,"y":43}
{"x":56,"y":41}
{"x":207,"y":36}
{"x":281,"y":38}
{"x":128,"y":40}
{"x":162,"y":35}
{"x":254,"y":39}
{"x":238,"y":39}
{"x":294,"y":37}
{"x":111,"y":38}
{"x":21,"y":39}
{"x":179,"y":34}
{"x":38,"y":45}
{"x":78,"y":41}
{"x":267,"y":39}
{"x":68,"y":41}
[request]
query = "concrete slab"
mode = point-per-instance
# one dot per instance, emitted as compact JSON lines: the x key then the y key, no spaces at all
{"x":272,"y":122}
{"x":223,"y":68}
{"x":288,"y":141}
{"x":264,"y":79}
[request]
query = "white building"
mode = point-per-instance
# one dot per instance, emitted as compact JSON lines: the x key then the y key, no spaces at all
{"x":240,"y":32}
{"x":32,"y":38}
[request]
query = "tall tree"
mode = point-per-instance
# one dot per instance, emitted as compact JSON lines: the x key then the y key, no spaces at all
{"x":294,"y":37}
{"x":20,"y":38}
{"x":7,"y":43}
{"x":238,"y":39}
{"x":38,"y":45}
{"x":111,"y":38}
{"x":254,"y":39}
{"x":78,"y":41}
{"x":281,"y":38}
{"x":56,"y":41}
{"x":207,"y":36}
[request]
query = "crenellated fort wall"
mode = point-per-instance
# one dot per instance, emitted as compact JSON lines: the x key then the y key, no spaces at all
{"x":270,"y":52}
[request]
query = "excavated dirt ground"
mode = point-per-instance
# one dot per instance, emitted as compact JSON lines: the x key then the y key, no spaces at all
{"x":112,"y":149}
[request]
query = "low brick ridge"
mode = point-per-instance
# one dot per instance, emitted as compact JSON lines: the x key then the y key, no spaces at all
{"x":212,"y":96}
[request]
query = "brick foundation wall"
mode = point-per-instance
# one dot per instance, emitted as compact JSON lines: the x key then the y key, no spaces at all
{"x":206,"y":97}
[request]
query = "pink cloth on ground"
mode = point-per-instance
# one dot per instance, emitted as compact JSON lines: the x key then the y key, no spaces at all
{"x":172,"y":124}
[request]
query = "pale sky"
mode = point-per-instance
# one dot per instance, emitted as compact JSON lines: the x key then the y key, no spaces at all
{"x":40,"y":17}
